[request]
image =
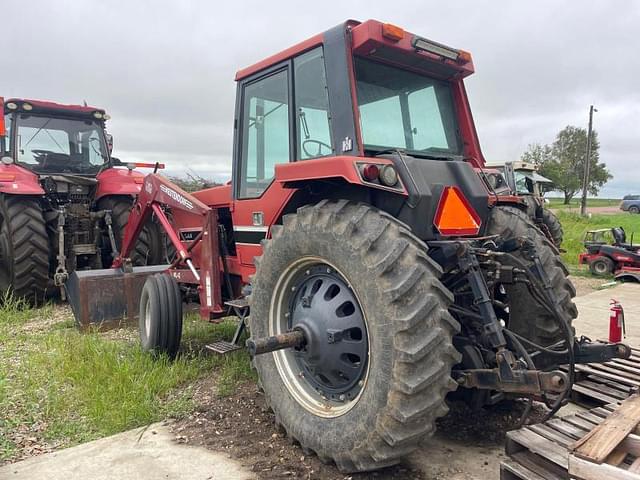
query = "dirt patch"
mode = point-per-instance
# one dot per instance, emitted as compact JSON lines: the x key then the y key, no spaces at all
{"x":244,"y":427}
{"x":586,"y":285}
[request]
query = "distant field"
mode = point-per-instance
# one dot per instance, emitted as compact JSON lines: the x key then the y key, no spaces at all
{"x":557,"y":203}
{"x":576,"y":226}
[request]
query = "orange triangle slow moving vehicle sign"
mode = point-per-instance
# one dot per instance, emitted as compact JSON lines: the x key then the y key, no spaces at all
{"x":455,"y":215}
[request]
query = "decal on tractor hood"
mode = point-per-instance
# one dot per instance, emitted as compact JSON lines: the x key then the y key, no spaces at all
{"x":177,"y":197}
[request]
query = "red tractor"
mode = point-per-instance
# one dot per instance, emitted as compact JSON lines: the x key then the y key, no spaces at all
{"x":64,"y":201}
{"x":379,"y":272}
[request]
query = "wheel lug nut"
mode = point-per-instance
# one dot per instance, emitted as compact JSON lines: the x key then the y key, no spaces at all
{"x":342,"y":398}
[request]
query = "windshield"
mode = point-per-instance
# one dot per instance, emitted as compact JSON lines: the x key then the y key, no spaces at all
{"x":404,"y":110}
{"x":59,"y":145}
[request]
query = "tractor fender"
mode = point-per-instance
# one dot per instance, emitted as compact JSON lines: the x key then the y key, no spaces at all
{"x":628,"y":275}
{"x":346,"y":168}
{"x":17,"y":180}
{"x":119,"y":181}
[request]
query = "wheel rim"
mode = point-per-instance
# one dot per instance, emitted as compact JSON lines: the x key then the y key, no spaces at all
{"x":600,"y":267}
{"x":147,"y":318}
{"x":327,"y":376}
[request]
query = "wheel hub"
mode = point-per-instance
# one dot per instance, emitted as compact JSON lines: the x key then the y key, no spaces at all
{"x":334,"y":358}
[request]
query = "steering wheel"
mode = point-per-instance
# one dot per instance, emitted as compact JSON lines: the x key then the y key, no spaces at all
{"x":41,"y":153}
{"x":319,"y":144}
{"x":41,"y":156}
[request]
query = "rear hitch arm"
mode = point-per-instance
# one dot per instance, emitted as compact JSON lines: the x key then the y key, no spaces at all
{"x":584,"y":351}
{"x":523,"y":381}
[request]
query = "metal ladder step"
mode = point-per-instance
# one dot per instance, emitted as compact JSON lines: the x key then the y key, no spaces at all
{"x":222,"y":347}
{"x":238,"y":303}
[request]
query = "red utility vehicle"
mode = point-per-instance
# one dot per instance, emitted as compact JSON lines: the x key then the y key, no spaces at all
{"x":64,"y":201}
{"x":378,"y":270}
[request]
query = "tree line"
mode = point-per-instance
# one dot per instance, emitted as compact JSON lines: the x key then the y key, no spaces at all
{"x":563,"y":161}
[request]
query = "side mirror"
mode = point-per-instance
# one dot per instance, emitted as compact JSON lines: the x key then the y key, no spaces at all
{"x":109,"y":142}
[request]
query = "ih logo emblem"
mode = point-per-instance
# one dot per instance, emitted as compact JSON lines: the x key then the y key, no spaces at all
{"x":347,"y":144}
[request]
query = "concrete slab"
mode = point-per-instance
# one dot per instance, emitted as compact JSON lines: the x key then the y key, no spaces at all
{"x":593,"y":312}
{"x":134,"y":455}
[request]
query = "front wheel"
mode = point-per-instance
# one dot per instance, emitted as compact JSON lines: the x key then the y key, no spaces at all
{"x":160,"y":321}
{"x":601,"y":266}
{"x":148,"y":248}
{"x":634,"y":209}
{"x":24,"y":249}
{"x":374,"y":373}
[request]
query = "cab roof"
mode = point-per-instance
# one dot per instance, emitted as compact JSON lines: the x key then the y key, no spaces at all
{"x":43,"y":106}
{"x":374,"y":39}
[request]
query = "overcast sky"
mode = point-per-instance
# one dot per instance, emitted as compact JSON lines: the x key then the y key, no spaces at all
{"x":164,"y":69}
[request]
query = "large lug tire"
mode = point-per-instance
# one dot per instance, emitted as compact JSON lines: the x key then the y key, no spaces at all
{"x":554,"y":226}
{"x":368,"y":417}
{"x":601,"y":266}
{"x":148,"y":249}
{"x":160,"y":321}
{"x":24,"y":249}
{"x":526,"y":316}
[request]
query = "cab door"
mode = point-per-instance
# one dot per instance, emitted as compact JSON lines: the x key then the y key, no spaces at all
{"x":273,"y":126}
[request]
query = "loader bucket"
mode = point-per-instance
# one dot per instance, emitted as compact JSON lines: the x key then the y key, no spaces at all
{"x":107,"y":298}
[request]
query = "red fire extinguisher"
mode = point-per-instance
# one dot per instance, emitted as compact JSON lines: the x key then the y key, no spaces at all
{"x":616,"y":322}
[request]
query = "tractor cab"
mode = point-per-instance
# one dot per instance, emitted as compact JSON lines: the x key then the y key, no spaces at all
{"x":366,"y":111}
{"x":48,"y":138}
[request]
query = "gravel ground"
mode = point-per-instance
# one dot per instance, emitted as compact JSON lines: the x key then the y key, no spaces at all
{"x":586,"y":285}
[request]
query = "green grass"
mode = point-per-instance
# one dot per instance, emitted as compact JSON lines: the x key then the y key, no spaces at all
{"x":558,"y":203}
{"x":575,"y":226}
{"x":69,"y":387}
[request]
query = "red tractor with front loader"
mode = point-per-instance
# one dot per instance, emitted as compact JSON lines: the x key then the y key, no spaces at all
{"x":373,"y":267}
{"x":64,"y":201}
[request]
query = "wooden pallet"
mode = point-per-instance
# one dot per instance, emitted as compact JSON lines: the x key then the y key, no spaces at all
{"x":599,"y":384}
{"x":544,"y":451}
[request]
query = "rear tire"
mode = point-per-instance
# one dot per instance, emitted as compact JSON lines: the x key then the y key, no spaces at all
{"x":601,"y":266}
{"x":148,"y":249}
{"x":554,"y":226}
{"x":24,"y":249}
{"x":394,"y":288}
{"x":160,"y":322}
{"x":526,"y":316}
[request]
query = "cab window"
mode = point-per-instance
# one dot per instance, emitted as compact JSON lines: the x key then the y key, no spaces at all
{"x":312,"y":106}
{"x":265,"y":132}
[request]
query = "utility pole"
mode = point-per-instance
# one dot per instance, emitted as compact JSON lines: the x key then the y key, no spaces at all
{"x":587,"y":164}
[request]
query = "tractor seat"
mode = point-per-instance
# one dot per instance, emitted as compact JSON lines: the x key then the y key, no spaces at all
{"x":619,"y":235}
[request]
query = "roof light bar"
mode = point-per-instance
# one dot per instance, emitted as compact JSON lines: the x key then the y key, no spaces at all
{"x":422,"y":44}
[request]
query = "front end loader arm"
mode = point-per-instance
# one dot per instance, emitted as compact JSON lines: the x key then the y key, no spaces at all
{"x":157,"y":191}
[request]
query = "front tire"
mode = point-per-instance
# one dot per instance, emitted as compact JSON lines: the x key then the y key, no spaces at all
{"x":526,"y":316}
{"x":634,"y":209}
{"x":402,"y":376}
{"x":160,"y":321}
{"x":601,"y":266}
{"x":24,"y":249}
{"x":148,"y":248}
